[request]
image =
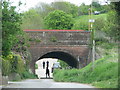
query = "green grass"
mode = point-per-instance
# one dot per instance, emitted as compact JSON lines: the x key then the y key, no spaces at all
{"x":81,"y":22}
{"x":86,"y":17}
{"x":104,"y":72}
{"x":111,"y":83}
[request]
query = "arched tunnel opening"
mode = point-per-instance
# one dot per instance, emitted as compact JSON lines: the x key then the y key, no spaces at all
{"x":66,"y":57}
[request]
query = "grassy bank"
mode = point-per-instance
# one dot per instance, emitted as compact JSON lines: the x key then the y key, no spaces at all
{"x":104,"y":75}
{"x":81,"y":22}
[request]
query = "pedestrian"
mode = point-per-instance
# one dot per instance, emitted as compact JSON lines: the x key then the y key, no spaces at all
{"x":47,"y":63}
{"x":43,"y":65}
{"x":47,"y":72}
{"x":52,"y":68}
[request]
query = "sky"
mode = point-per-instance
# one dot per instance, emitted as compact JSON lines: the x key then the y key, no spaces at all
{"x":27,"y":4}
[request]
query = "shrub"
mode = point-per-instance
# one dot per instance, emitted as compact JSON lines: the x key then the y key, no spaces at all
{"x":58,"y":20}
{"x":26,"y":74}
{"x":12,"y":63}
{"x":36,"y":66}
{"x":63,"y":64}
{"x":20,"y":66}
{"x":6,"y":67}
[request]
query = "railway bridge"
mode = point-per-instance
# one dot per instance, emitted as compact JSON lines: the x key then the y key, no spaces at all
{"x":71,"y":46}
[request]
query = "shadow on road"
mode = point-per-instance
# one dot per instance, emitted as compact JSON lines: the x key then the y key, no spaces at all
{"x":45,"y":78}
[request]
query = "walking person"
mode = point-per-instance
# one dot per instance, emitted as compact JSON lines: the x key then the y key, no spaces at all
{"x":47,"y":63}
{"x":47,"y":72}
{"x":43,"y":64}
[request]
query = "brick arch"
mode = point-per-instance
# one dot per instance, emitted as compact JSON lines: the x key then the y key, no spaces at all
{"x":62,"y":55}
{"x":57,"y":50}
{"x":73,"y":42}
{"x":73,"y":51}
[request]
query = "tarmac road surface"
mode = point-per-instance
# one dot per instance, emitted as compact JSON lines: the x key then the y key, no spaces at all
{"x":45,"y":83}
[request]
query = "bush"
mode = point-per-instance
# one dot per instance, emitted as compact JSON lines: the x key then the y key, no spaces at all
{"x":58,"y":20}
{"x":63,"y":64}
{"x":36,"y":66}
{"x":12,"y":64}
{"x":20,"y":66}
{"x":27,"y":74}
{"x":6,"y":67}
{"x":17,"y":64}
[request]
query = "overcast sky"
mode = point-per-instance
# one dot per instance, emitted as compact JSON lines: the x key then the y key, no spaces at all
{"x":32,"y":3}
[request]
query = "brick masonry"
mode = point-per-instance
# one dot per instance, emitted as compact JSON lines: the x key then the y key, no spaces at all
{"x":71,"y":44}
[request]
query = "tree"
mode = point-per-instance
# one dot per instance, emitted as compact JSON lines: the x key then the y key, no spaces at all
{"x":83,"y":9}
{"x":11,"y":21}
{"x":112,"y":25}
{"x":117,"y":9}
{"x":32,"y":20}
{"x":0,"y":27}
{"x":67,"y":7}
{"x":43,"y":9}
{"x":99,"y":24}
{"x":96,"y":6}
{"x":58,"y":20}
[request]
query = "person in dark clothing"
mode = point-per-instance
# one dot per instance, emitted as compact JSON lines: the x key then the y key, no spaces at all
{"x":43,"y":65}
{"x":47,"y":72}
{"x":47,"y":63}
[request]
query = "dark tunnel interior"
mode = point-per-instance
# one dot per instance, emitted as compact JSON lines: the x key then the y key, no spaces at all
{"x":69,"y":59}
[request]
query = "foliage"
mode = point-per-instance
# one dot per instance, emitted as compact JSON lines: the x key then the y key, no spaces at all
{"x":14,"y":40}
{"x":11,"y":21}
{"x":111,"y":83}
{"x":67,"y":7}
{"x":83,"y":9}
{"x":96,"y":6}
{"x":32,"y":20}
{"x":20,"y":65}
{"x":80,"y":25}
{"x":26,"y":74}
{"x":12,"y":63}
{"x":36,"y":66}
{"x":99,"y":24}
{"x":58,"y":20}
{"x":44,"y":9}
{"x":112,"y":23}
{"x":117,"y":9}
{"x":111,"y":27}
{"x":53,"y":39}
{"x":63,"y":64}
{"x":34,"y":40}
{"x":104,"y":71}
{"x":6,"y":67}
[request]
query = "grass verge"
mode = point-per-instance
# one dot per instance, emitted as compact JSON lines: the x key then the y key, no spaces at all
{"x":104,"y":75}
